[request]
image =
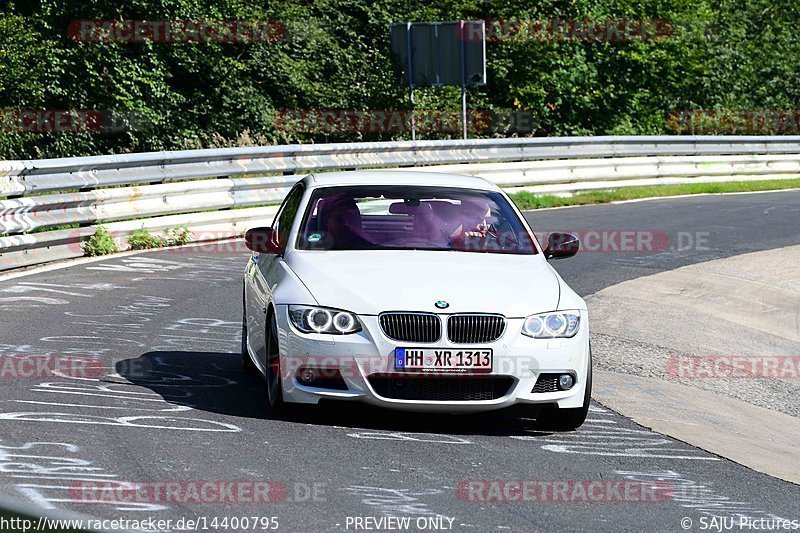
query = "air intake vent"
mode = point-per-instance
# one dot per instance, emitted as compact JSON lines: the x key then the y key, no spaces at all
{"x":546,"y":383}
{"x":411,"y":327}
{"x":475,"y":329}
{"x":441,"y":389}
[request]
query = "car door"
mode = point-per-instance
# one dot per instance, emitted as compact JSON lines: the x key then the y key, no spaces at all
{"x":262,"y":275}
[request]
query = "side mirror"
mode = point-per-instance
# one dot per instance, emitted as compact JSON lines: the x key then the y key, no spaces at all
{"x":561,"y":246}
{"x":262,"y":240}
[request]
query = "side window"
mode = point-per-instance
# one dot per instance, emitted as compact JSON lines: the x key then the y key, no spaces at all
{"x":283,"y":221}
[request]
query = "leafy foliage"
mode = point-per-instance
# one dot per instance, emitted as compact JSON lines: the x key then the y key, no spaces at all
{"x":178,"y":236}
{"x":141,"y":239}
{"x":101,"y":243}
{"x":720,"y":54}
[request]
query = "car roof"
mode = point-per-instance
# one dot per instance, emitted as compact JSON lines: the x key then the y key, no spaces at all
{"x":398,"y":177}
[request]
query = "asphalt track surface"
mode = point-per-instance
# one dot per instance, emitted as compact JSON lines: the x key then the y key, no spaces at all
{"x":169,"y":402}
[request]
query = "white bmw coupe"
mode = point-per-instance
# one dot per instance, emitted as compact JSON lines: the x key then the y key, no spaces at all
{"x":416,"y":291}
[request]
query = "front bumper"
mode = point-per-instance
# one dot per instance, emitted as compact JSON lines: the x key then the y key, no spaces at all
{"x":370,"y":352}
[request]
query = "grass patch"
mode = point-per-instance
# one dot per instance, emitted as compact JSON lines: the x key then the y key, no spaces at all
{"x":141,"y":239}
{"x":527,"y":201}
{"x":55,"y":228}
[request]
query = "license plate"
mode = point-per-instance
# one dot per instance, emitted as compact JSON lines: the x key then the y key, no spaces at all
{"x":436,"y":359}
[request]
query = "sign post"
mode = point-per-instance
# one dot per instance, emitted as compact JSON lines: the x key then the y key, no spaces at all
{"x":437,"y":54}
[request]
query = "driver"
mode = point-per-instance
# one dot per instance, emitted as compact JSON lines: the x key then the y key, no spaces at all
{"x":475,"y":226}
{"x":341,"y":220}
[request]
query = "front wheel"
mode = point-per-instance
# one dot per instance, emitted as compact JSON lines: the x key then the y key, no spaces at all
{"x":274,"y":383}
{"x":555,"y":419}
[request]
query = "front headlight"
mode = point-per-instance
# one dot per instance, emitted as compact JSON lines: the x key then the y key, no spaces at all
{"x":323,"y":320}
{"x":552,"y":325}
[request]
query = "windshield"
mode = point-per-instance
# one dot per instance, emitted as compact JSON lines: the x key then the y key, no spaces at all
{"x":382,"y":217}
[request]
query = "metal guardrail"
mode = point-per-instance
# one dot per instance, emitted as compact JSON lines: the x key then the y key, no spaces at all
{"x":21,"y":177}
{"x":165,"y":189}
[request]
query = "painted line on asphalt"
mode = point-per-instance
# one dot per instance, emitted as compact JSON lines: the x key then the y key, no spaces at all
{"x":78,"y":261}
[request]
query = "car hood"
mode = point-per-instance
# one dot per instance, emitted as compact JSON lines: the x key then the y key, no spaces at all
{"x":371,"y":282}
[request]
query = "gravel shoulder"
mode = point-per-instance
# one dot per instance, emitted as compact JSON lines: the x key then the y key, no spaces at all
{"x":746,"y":305}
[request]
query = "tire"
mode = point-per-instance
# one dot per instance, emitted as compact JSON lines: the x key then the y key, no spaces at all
{"x":555,"y":419}
{"x":247,"y":364}
{"x":273,"y":374}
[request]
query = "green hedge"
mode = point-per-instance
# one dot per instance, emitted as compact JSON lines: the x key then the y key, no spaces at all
{"x":720,"y":54}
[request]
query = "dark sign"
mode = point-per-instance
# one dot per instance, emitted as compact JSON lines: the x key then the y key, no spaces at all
{"x":429,"y":54}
